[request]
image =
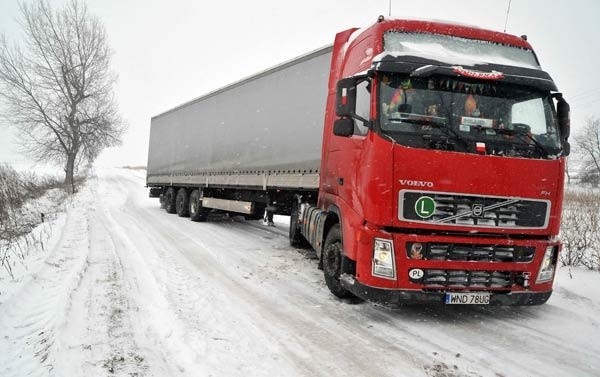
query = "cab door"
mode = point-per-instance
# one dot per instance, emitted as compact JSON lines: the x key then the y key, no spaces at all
{"x":344,"y":153}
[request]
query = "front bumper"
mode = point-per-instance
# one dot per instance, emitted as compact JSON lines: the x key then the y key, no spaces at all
{"x":394,"y":298}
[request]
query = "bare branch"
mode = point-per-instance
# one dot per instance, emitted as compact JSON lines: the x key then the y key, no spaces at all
{"x":57,"y":88}
{"x":588,"y":142}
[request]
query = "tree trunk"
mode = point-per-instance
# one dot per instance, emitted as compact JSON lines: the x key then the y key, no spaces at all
{"x":69,"y":173}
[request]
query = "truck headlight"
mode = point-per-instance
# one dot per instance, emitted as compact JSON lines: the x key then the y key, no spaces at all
{"x":548,"y":265}
{"x":383,"y":259}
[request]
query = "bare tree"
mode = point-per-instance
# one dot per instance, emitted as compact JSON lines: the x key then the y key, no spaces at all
{"x":57,"y":85}
{"x":588,"y":143}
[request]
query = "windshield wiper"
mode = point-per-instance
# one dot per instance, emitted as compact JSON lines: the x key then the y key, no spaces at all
{"x":543,"y":151}
{"x":523,"y":131}
{"x":432,"y":121}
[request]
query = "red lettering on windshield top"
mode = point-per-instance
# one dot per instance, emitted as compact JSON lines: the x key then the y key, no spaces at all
{"x":494,"y":75}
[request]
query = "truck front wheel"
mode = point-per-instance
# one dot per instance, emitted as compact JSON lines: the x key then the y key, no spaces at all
{"x":170,"y":200}
{"x":182,"y":203}
{"x":332,"y":262}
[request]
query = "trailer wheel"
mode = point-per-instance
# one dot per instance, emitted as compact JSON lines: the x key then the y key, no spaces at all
{"x":197,"y":212}
{"x":332,"y":262}
{"x":182,"y":203}
{"x":170,"y":200}
{"x":296,"y":238}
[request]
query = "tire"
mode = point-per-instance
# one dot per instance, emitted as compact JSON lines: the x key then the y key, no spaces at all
{"x":296,"y":238}
{"x":332,"y":262}
{"x":197,"y":212}
{"x":182,"y":203}
{"x":170,"y":200}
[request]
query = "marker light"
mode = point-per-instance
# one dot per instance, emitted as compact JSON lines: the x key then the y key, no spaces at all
{"x":548,"y":265}
{"x":383,"y":259}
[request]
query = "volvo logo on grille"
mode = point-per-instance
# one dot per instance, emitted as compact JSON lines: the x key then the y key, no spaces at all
{"x":477,"y":210}
{"x":407,"y":182}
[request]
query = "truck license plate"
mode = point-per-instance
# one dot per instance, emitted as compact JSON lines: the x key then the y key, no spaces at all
{"x":469,"y":298}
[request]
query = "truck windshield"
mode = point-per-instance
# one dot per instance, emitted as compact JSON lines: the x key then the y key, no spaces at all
{"x":464,"y":114}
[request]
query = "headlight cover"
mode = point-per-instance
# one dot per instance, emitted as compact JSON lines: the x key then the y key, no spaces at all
{"x":548,"y":265}
{"x":384,"y":264}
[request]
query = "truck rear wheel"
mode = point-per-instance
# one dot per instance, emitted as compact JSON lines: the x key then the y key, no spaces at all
{"x":170,"y":200}
{"x":197,"y":212}
{"x":182,"y":203}
{"x":332,"y":262}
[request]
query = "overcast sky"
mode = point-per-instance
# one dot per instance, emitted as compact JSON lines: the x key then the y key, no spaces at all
{"x":168,"y":52}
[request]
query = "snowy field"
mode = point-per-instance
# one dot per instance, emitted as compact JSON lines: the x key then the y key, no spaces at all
{"x":124,"y":289}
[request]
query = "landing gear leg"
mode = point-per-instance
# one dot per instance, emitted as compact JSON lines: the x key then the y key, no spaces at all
{"x":269,"y":215}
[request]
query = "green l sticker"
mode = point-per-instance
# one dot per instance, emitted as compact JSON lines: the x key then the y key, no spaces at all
{"x":425,"y":207}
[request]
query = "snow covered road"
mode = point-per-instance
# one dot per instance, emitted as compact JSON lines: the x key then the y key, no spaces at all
{"x":128,"y":290}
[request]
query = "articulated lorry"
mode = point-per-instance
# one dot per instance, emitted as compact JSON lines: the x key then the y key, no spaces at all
{"x":422,"y":161}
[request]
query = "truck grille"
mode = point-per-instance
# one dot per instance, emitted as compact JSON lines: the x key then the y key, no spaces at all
{"x":470,"y":210}
{"x":466,"y":252}
{"x":470,"y":279}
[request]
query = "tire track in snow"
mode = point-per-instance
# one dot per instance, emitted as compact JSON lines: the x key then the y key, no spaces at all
{"x":103,"y":336}
{"x":317,"y":324}
{"x":312,"y":327}
{"x":155,"y":330}
{"x":190,"y":309}
{"x":311,"y":346}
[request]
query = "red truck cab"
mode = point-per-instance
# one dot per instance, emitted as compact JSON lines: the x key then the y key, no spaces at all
{"x":442,"y":168}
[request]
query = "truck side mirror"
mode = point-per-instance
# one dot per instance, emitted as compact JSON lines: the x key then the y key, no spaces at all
{"x":346,"y":97}
{"x":563,"y":111}
{"x":343,"y":127}
{"x":563,"y":114}
{"x":566,"y":148}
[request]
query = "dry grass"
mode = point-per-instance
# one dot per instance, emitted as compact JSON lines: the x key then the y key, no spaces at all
{"x":580,"y":229}
{"x":17,"y":220}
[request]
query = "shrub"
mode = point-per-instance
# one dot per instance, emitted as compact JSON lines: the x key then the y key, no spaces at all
{"x":580,"y":229}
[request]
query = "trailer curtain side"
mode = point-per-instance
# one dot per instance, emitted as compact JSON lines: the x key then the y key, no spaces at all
{"x":265,"y":131}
